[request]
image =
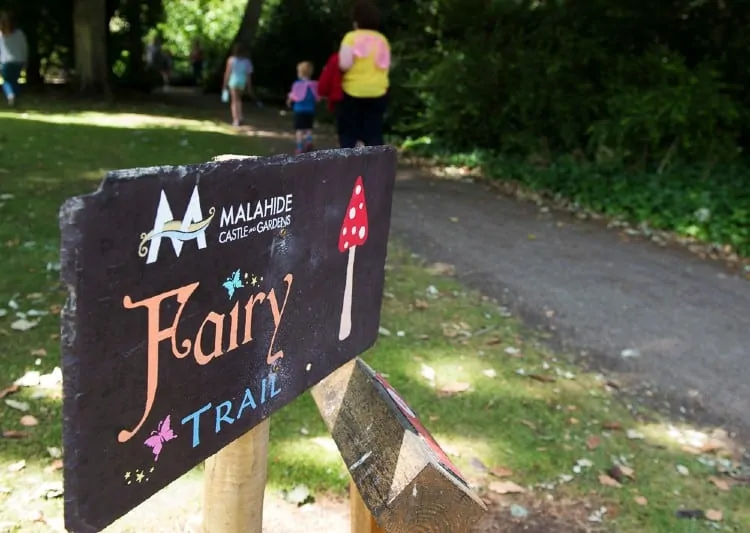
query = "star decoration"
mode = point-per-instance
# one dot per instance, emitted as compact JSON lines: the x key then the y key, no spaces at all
{"x":152,"y":469}
{"x":139,"y":476}
{"x":127,"y":475}
{"x":254,"y":281}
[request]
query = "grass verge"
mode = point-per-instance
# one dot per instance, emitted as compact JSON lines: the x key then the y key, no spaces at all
{"x":505,"y":407}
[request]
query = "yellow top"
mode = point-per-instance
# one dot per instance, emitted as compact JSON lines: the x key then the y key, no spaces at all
{"x":369,"y":54}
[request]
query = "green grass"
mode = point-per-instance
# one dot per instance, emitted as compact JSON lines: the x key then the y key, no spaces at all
{"x":505,"y":419}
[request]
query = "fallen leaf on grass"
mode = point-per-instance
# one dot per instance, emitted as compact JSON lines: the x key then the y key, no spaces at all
{"x":490,"y":373}
{"x":421,"y":304}
{"x":635,"y":435}
{"x":682,"y":470}
{"x":620,"y":472}
{"x":506,"y":487}
{"x":493,"y":341}
{"x":17,"y":466}
{"x":542,"y":378}
{"x":13,"y":434}
{"x":427,"y":372}
{"x":29,"y":421}
{"x":54,"y":452}
{"x":453,"y":219}
{"x":441,"y":269}
{"x":299,"y":495}
{"x":640,"y":500}
{"x":612,"y":426}
{"x":20,"y":406}
{"x":54,"y":466}
{"x":593,"y":442}
{"x":454,"y":388}
{"x":23,"y":325}
{"x":501,"y":471}
{"x":478,"y":465}
{"x":528,"y":424}
{"x":721,"y":484}
{"x":39,"y":352}
{"x":608,"y":481}
{"x":8,"y":390}
{"x":714,"y":515}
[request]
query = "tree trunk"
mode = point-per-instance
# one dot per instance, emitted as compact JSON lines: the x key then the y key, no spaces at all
{"x":90,"y":32}
{"x":245,"y":34}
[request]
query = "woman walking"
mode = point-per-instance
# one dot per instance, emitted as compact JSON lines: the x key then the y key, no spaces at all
{"x":365,"y":60}
{"x":14,"y":53}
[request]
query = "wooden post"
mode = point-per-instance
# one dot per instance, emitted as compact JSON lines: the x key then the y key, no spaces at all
{"x":234,"y":484}
{"x":401,"y":474}
{"x":361,"y":517}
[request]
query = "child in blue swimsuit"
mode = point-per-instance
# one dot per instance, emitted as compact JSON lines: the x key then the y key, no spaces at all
{"x":237,"y":80}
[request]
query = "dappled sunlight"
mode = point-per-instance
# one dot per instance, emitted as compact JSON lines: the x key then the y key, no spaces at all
{"x":121,"y":120}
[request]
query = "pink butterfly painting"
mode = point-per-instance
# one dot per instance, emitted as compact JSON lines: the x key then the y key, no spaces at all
{"x":162,"y":434}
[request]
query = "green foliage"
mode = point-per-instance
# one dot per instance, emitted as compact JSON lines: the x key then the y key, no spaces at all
{"x":659,"y":107}
{"x":212,"y":22}
{"x":294,"y":31}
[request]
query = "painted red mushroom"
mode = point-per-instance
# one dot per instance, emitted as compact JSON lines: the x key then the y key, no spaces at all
{"x":354,"y":232}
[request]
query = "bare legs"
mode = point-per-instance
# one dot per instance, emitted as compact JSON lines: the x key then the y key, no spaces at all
{"x":236,"y":106}
{"x":304,"y":140}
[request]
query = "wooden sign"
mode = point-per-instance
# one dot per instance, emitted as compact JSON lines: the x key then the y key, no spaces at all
{"x":403,"y":476}
{"x":204,"y":298}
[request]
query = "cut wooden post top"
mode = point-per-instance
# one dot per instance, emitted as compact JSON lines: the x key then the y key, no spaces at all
{"x":401,"y":473}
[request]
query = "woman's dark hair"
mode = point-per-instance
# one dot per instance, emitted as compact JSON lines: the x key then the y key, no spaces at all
{"x":366,"y":15}
{"x":239,"y":50}
{"x":6,"y":21}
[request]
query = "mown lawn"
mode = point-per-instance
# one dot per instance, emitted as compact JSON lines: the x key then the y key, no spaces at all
{"x":506,"y":408}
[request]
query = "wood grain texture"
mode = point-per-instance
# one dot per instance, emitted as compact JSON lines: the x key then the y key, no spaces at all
{"x":234,"y":484}
{"x":398,"y":475}
{"x":361,"y":517}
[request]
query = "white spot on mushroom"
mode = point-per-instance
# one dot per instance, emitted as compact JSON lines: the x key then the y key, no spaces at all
{"x":362,"y":232}
{"x":358,"y":189}
{"x":352,"y":213}
{"x":354,"y":230}
{"x":308,"y":367}
{"x":361,"y":205}
{"x":343,"y":231}
{"x":346,"y":245}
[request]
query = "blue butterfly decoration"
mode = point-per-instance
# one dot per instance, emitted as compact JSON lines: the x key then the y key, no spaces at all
{"x":233,"y":282}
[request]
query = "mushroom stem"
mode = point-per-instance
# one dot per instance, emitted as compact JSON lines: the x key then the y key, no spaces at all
{"x":345,"y":327}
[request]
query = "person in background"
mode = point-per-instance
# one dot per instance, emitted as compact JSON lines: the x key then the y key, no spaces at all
{"x":159,"y":59}
{"x":196,"y":61}
{"x":302,"y":99}
{"x":238,"y":80}
{"x":365,"y":60}
{"x":14,"y":52}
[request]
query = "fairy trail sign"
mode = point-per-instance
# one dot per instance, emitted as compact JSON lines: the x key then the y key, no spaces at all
{"x":204,"y":298}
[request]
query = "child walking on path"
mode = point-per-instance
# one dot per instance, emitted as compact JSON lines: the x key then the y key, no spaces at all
{"x":14,"y":51}
{"x":237,"y":80}
{"x":303,"y":98}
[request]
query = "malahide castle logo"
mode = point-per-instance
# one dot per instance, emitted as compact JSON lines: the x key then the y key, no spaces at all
{"x":191,"y":227}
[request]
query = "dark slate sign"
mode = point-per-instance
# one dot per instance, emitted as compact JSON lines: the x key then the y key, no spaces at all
{"x":204,"y":298}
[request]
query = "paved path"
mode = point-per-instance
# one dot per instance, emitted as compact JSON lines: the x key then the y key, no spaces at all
{"x":689,"y":319}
